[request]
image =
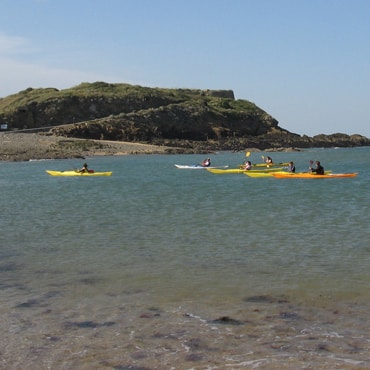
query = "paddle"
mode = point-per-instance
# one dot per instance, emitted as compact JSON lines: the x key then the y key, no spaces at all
{"x":247,"y":154}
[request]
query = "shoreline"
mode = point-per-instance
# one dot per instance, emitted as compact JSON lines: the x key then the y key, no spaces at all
{"x":16,"y":147}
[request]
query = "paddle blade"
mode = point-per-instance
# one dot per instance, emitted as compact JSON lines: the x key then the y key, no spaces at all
{"x":247,"y":154}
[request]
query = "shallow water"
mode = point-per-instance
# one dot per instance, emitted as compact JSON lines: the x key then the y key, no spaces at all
{"x":157,"y":267}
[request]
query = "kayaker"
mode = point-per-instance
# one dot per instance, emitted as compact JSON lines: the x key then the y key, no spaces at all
{"x":84,"y":168}
{"x":248,"y":165}
{"x":269,"y":160}
{"x":319,"y":170}
{"x":206,"y":162}
{"x":291,"y":167}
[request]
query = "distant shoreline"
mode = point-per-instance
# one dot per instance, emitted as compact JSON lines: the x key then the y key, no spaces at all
{"x":21,"y":146}
{"x":16,"y":146}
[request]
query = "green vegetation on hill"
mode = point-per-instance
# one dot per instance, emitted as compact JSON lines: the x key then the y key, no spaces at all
{"x":177,"y":117}
{"x":35,"y":108}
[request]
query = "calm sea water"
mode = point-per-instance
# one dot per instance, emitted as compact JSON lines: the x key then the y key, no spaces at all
{"x":161,"y":268}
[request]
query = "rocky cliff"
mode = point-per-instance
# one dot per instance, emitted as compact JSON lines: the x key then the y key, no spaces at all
{"x":188,"y":118}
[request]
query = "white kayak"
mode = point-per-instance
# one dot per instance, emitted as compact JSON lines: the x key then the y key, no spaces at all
{"x":197,"y":167}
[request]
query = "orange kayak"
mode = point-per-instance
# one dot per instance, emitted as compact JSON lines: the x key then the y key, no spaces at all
{"x":309,"y":175}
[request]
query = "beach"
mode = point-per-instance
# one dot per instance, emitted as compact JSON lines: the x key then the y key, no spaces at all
{"x":16,"y":146}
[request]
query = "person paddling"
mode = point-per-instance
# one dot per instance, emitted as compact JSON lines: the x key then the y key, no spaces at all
{"x":269,"y":160}
{"x":248,"y":165}
{"x":319,"y":170}
{"x":291,"y":167}
{"x":84,"y":168}
{"x":206,"y":162}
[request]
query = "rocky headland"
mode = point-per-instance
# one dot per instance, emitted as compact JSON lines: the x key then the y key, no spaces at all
{"x":115,"y":119}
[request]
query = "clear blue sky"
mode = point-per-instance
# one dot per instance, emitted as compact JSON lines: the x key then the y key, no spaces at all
{"x":305,"y":62}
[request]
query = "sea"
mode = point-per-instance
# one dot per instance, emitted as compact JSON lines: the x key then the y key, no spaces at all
{"x":157,"y":267}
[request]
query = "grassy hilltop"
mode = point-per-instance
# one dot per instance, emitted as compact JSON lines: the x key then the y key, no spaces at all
{"x":207,"y":119}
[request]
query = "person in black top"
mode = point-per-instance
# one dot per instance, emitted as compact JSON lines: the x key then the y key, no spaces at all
{"x":291,"y":167}
{"x":319,"y":170}
{"x":84,"y":168}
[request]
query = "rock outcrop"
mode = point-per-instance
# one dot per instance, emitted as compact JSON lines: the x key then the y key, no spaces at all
{"x":193,"y":119}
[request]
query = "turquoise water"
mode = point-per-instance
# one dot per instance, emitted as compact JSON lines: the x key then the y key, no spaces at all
{"x":133,"y":271}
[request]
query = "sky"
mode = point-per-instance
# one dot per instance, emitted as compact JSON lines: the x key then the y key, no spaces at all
{"x":305,"y":62}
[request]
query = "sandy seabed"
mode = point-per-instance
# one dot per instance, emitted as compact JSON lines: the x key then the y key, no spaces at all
{"x":39,"y":334}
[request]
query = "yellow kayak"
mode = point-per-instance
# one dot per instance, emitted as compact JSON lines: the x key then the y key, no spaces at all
{"x":281,"y":164}
{"x":77,"y":173}
{"x":239,"y":170}
{"x":260,"y":173}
